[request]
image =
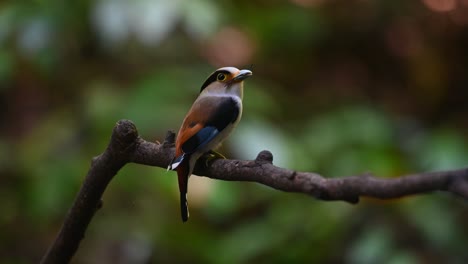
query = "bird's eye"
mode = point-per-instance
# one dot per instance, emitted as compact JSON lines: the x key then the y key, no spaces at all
{"x":221,"y":77}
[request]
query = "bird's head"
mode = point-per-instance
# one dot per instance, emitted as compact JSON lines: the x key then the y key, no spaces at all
{"x":226,"y":80}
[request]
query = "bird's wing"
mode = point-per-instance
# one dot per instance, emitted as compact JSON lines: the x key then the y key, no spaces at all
{"x":207,"y":118}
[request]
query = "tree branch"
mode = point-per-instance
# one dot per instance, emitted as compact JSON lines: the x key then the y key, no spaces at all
{"x":126,"y":146}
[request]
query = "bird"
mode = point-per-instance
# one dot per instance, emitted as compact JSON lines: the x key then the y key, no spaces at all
{"x":211,"y":119}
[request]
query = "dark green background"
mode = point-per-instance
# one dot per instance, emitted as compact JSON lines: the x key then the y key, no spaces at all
{"x":339,"y":88}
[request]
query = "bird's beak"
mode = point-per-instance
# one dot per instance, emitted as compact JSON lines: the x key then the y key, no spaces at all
{"x":242,"y":75}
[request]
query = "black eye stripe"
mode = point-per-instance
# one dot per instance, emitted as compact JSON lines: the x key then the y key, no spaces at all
{"x":213,"y":78}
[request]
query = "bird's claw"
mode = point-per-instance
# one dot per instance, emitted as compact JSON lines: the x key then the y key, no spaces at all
{"x":212,"y":155}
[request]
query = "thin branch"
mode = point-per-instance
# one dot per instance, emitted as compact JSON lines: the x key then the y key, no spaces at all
{"x":126,"y":146}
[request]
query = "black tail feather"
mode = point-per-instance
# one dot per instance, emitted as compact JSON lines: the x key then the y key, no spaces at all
{"x":183,"y":173}
{"x":184,"y":207}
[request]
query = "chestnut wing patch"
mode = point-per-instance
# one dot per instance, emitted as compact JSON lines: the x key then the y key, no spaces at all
{"x":224,"y":112}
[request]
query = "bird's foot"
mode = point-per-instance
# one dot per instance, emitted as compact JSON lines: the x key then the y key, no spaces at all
{"x":212,"y":155}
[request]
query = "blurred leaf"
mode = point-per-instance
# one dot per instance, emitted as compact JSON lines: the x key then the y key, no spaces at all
{"x":201,"y":17}
{"x":373,"y":246}
{"x":253,"y":136}
{"x":352,"y":140}
{"x":441,"y":230}
{"x":403,"y":257}
{"x":6,"y":66}
{"x":443,"y":150}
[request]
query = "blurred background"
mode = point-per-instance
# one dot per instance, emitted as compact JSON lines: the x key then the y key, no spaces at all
{"x":339,"y":88}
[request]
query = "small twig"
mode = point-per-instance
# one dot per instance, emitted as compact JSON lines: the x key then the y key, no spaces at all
{"x":126,"y":146}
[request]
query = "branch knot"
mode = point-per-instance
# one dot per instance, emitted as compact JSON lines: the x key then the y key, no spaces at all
{"x":264,"y":156}
{"x":169,"y":140}
{"x":125,"y":132}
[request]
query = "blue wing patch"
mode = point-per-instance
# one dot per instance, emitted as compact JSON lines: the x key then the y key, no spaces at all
{"x":200,"y":139}
{"x":226,"y":112}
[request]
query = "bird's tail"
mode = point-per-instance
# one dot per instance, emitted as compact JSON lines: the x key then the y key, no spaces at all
{"x":183,"y":173}
{"x":184,"y":207}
